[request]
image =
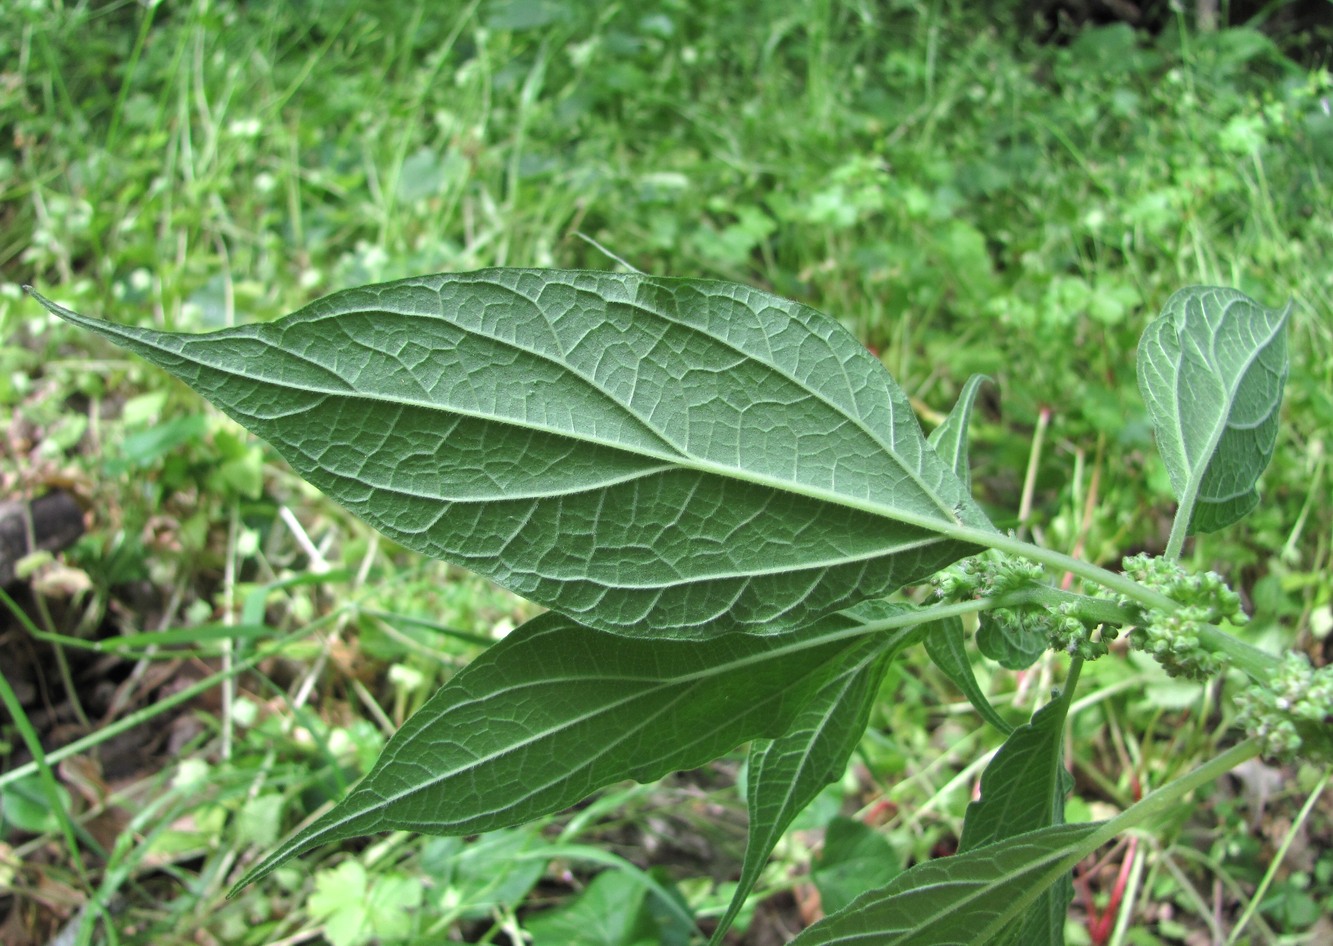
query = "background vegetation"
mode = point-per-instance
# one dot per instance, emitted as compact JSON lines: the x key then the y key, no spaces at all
{"x":223,"y":651}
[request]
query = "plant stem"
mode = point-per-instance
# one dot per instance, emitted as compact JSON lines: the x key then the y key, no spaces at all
{"x":1113,"y":581}
{"x":1256,"y":663}
{"x":1175,"y":543}
{"x":1152,"y":807}
{"x":1159,"y":802}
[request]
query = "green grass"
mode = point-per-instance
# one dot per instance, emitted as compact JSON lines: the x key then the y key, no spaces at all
{"x":961,"y":197}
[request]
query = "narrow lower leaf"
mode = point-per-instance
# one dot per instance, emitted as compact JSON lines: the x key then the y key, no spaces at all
{"x":655,"y":457}
{"x":950,"y":438}
{"x":971,"y":898}
{"x":945,"y":643}
{"x":964,"y":900}
{"x":785,"y":774}
{"x":1023,"y":789}
{"x":1211,"y":369}
{"x":556,"y":711}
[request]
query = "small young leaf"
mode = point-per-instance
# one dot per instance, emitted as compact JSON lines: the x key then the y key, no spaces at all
{"x":786,"y":773}
{"x":654,"y":457}
{"x":950,"y":438}
{"x":1013,"y":639}
{"x":945,"y":644}
{"x":556,"y":711}
{"x":964,"y":900}
{"x":1211,"y":369}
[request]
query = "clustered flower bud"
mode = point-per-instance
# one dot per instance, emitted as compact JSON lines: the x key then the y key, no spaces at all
{"x":985,"y":576}
{"x":1293,"y":712}
{"x":1076,"y":637}
{"x":988,"y":576}
{"x":1172,"y":638}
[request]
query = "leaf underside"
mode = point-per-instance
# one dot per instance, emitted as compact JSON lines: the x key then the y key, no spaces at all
{"x":1211,"y":369}
{"x":785,"y":774}
{"x":655,"y":457}
{"x":556,"y":711}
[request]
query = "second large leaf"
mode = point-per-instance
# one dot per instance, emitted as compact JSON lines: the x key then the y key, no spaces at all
{"x":665,"y":457}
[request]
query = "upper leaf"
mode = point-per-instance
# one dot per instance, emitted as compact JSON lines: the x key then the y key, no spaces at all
{"x":1211,"y":369}
{"x":664,"y":457}
{"x":556,"y":711}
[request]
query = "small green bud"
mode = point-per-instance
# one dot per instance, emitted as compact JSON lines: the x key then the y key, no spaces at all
{"x":1293,"y":712}
{"x":1173,"y":638}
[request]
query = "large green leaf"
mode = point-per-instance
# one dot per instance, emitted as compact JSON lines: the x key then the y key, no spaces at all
{"x":1211,"y":369}
{"x":785,"y":774}
{"x":556,"y":711}
{"x":662,"y":457}
{"x":964,"y":900}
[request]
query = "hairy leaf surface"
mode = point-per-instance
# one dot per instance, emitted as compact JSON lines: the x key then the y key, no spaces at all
{"x":1211,"y":369}
{"x":964,"y":900}
{"x":556,"y":711}
{"x":786,"y":773}
{"x":657,"y":457}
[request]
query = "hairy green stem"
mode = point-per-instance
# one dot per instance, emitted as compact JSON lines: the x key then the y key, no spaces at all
{"x":1112,"y":581}
{"x":1257,"y":664}
{"x":1175,"y":543}
{"x":1162,"y":800}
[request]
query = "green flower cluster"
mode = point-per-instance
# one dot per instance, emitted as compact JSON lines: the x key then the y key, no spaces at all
{"x":1074,"y":635}
{"x":1173,"y":637}
{"x":1293,"y":712}
{"x":997,"y":574}
{"x":986,"y":576}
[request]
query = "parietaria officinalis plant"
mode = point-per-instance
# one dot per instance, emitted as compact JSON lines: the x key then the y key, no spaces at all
{"x":714,"y":490}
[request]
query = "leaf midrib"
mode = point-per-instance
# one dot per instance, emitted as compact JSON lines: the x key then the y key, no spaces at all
{"x":1199,"y":469}
{"x":950,"y":528}
{"x":980,"y":889}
